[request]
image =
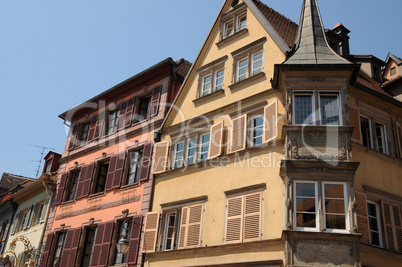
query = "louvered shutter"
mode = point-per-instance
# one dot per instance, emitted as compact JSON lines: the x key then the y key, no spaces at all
{"x":98,"y":244}
{"x":99,"y":125}
{"x":389,"y":228}
{"x":73,"y":136}
{"x":67,"y":246}
{"x":74,"y":247}
{"x":134,"y":240}
{"x":362,"y":217}
{"x":216,"y":140}
{"x":5,"y":234}
{"x":151,"y":226}
{"x":234,"y":220}
{"x":398,"y":139}
{"x":45,"y":209}
{"x":122,"y":116}
{"x":46,"y":250}
{"x":155,"y":101}
{"x":354,"y":117}
{"x":194,"y":224}
{"x":85,"y":179}
{"x":129,"y":112}
{"x":183,"y":228}
{"x":106,"y":241}
{"x":118,"y":172}
{"x":31,"y":215}
{"x":15,"y":222}
{"x":252,"y":217}
{"x":160,"y":158}
{"x":271,"y":121}
{"x":146,"y":162}
{"x":398,"y":226}
{"x":60,"y":190}
{"x":92,"y":128}
{"x":239,"y":127}
{"x":110,"y":173}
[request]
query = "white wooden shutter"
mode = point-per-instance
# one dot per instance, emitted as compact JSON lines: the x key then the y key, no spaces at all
{"x":45,"y":210}
{"x":31,"y":215}
{"x":183,"y":228}
{"x":160,"y":158}
{"x":252,"y":217}
{"x":270,"y":122}
{"x":216,"y":140}
{"x":151,"y":226}
{"x":239,"y":134}
{"x":234,"y":220}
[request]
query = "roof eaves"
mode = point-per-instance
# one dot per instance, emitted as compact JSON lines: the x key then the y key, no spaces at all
{"x":169,"y":59}
{"x":268,"y":27}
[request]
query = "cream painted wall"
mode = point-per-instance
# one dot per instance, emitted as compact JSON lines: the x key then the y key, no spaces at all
{"x":272,"y":55}
{"x":34,"y":233}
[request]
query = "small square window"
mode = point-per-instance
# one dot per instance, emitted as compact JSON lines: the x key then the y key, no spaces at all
{"x":393,"y":71}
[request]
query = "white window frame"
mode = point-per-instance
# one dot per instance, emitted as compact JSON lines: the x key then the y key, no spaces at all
{"x":188,"y":149}
{"x":204,"y":92}
{"x":371,"y":131}
{"x":316,"y":197}
{"x":252,"y":70}
{"x":251,"y":129}
{"x":200,"y":153}
{"x":337,"y":94}
{"x":112,"y":128}
{"x":379,"y":223}
{"x":383,"y":136}
{"x":227,"y":34}
{"x":238,"y":18}
{"x":238,"y":69}
{"x":177,"y":214}
{"x":215,"y":84}
{"x":314,"y":119}
{"x":175,"y":159}
{"x":346,"y":205}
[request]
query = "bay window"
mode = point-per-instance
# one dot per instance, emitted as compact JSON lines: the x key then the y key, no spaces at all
{"x":332,"y":200}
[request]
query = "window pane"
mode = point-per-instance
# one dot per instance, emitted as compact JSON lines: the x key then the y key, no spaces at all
{"x":305,"y":190}
{"x":219,"y":80}
{"x":191,"y":151}
{"x":334,"y":206}
{"x":206,"y":85}
{"x":380,"y":134}
{"x":335,"y":222}
{"x":329,"y":108}
{"x":257,"y":63}
{"x":241,"y":22}
{"x":334,"y":191}
{"x":178,"y":157}
{"x":374,"y":223}
{"x":305,"y":220}
{"x":204,"y":146}
{"x":305,"y":204}
{"x":228,"y":29}
{"x":303,"y":109}
{"x":257,"y":130}
{"x":366,"y":131}
{"x":242,"y":69}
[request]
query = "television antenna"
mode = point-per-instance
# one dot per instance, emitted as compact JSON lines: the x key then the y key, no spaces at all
{"x":42,"y":152}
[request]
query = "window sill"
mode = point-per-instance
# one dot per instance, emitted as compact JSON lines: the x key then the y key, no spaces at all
{"x":209,"y":96}
{"x":245,"y":81}
{"x":66,"y":203}
{"x":129,"y":186}
{"x":232,"y":37}
{"x":96,"y":195}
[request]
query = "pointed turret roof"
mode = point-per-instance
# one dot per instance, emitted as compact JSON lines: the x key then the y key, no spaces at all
{"x":311,"y":46}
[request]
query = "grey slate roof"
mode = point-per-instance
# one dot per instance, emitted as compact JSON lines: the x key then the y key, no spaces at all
{"x":311,"y":46}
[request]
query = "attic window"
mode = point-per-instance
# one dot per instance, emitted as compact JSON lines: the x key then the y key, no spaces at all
{"x":234,"y":21}
{"x":393,"y":71}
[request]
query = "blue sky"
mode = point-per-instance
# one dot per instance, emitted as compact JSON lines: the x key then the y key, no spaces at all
{"x":56,"y":54}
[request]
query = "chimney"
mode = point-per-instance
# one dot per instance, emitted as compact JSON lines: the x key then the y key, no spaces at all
{"x":343,"y":33}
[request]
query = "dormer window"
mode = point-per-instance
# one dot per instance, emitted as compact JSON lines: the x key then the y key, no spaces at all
{"x":393,"y":71}
{"x":211,"y":77}
{"x":48,"y":166}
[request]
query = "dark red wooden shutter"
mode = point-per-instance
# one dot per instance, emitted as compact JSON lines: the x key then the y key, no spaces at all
{"x":118,"y":172}
{"x":67,"y":246}
{"x":106,"y":241}
{"x":46,"y":250}
{"x":134,"y":240}
{"x":388,"y":221}
{"x":155,"y":101}
{"x":74,"y":247}
{"x":98,"y":244}
{"x":146,"y":161}
{"x":110,"y":173}
{"x":362,"y":217}
{"x":84,"y":182}
{"x":91,"y":133}
{"x":60,"y":190}
{"x":81,"y":181}
{"x":129,"y":112}
{"x":73,"y":136}
{"x":122,"y":116}
{"x":99,"y":126}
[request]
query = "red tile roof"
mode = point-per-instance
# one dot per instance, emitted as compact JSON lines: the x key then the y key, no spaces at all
{"x":366,"y":81}
{"x":285,"y":27}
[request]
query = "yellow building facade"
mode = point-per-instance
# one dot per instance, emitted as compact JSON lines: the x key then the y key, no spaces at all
{"x":257,"y":163}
